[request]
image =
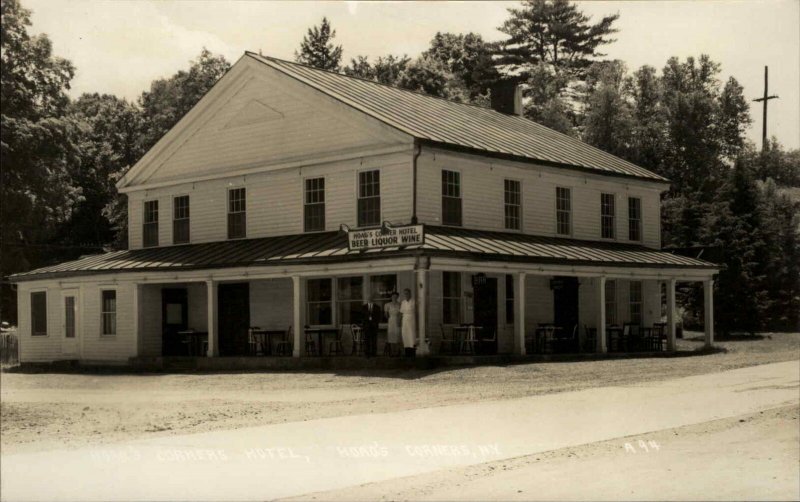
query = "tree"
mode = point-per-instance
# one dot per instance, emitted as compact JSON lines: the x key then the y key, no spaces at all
{"x":318,"y":50}
{"x":169,"y":99}
{"x":386,"y":70}
{"x":554,"y":32}
{"x":467,"y":58}
{"x":608,"y":119}
{"x":37,"y":147}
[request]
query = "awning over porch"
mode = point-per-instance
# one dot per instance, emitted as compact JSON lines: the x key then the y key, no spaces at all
{"x":332,"y":247}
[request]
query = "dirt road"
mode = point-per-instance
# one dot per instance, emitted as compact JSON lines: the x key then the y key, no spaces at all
{"x":300,"y":458}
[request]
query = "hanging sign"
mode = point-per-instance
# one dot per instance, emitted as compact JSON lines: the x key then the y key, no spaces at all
{"x":385,"y":237}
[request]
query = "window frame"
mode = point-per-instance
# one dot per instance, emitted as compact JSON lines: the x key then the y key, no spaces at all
{"x":46,"y":331}
{"x":639,"y":303}
{"x":360,"y":197}
{"x":306,"y":204}
{"x":456,"y":299}
{"x":154,"y":223}
{"x":459,"y":197}
{"x":103,"y":312}
{"x":230,"y":213}
{"x":605,"y":218}
{"x":331,"y":302}
{"x":187,"y":219}
{"x":635,"y":224}
{"x":507,"y":205}
{"x":70,"y":294}
{"x":340,"y":301}
{"x":562,"y":211}
{"x":611,"y":302}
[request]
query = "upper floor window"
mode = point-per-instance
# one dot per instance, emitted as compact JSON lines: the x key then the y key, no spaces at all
{"x":513,"y":204}
{"x":451,"y":297}
{"x":607,"y":218}
{"x":180,"y":220}
{"x":451,"y":198}
{"x":635,"y":300}
{"x":611,"y":302}
{"x":563,"y":211}
{"x":39,"y":313}
{"x":237,"y":213}
{"x":150,"y":225}
{"x":369,"y":198}
{"x":314,"y":205}
{"x":634,"y":218}
{"x":108,"y":311}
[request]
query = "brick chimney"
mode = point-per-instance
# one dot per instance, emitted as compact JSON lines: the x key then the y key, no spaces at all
{"x":507,"y":97}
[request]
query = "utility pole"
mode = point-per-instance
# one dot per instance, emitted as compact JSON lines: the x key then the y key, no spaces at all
{"x":765,"y":100}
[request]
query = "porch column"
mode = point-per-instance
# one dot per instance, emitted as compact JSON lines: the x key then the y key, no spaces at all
{"x":600,"y":293}
{"x":519,"y":314}
{"x":671,"y":315}
{"x":708,"y":310}
{"x":423,"y":349}
{"x":297,"y":315}
{"x":137,"y":317}
{"x":213,"y":335}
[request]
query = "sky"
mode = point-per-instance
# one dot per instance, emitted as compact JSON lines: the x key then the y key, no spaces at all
{"x":120,"y":46}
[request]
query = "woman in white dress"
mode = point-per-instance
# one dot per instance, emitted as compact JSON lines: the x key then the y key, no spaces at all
{"x":408,"y":327}
{"x":392,"y":311}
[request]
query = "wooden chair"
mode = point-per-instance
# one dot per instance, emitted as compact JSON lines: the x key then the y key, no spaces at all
{"x":253,"y":342}
{"x":311,"y":344}
{"x":283,"y":347}
{"x":590,"y":339}
{"x":357,"y":334}
{"x":335,"y":346}
{"x":658,"y":337}
{"x":490,"y":340}
{"x":446,"y":341}
{"x":632,"y":336}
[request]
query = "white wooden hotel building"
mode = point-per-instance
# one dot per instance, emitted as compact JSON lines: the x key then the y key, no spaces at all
{"x":236,"y":218}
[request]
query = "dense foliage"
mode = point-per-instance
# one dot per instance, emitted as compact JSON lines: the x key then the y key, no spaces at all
{"x":61,"y":157}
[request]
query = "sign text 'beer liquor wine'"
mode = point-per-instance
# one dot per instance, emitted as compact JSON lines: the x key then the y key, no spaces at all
{"x":409,"y":235}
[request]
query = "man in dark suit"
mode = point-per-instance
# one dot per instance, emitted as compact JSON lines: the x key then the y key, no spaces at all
{"x":371,"y":315}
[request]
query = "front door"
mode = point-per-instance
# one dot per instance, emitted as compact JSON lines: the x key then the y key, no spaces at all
{"x":174,"y":318}
{"x":485,"y":312}
{"x":234,"y":318}
{"x":565,"y":303}
{"x":70,"y":328}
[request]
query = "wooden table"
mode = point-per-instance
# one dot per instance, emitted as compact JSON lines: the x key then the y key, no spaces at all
{"x":265,"y":335}
{"x":461,"y":332}
{"x":541,"y":335}
{"x":321,"y":332}
{"x":195,"y":341}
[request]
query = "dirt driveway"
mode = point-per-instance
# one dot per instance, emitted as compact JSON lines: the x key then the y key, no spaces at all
{"x":46,"y":411}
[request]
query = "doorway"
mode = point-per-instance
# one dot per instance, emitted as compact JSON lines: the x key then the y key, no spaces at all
{"x":233,"y":302}
{"x":565,"y":303}
{"x":174,"y":319}
{"x":484,"y":304}
{"x":70,"y":323}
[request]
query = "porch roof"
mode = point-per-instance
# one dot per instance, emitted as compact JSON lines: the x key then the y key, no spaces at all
{"x":330,"y":247}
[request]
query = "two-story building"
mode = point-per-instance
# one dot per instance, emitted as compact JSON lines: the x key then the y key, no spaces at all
{"x":252,"y":211}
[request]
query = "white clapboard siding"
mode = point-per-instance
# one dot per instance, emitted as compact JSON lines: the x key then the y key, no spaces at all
{"x":105,"y":348}
{"x":482,"y":183}
{"x":39,"y":348}
{"x":538,"y":301}
{"x":271,"y":304}
{"x":257,"y":116}
{"x":275,"y":200}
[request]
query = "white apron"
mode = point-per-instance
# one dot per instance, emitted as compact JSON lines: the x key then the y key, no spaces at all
{"x":408,"y":329}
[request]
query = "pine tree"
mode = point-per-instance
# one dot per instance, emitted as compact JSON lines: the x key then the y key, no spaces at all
{"x":318,"y":50}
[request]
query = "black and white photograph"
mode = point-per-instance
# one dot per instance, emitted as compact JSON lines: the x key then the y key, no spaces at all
{"x":537,"y":250}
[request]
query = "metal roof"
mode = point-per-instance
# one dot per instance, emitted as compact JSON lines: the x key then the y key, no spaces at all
{"x":327,"y":247}
{"x":449,"y":123}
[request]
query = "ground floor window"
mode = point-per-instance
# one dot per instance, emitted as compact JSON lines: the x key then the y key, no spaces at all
{"x":109,"y":311}
{"x":349,"y":299}
{"x":39,"y":313}
{"x":636,"y":302}
{"x":611,"y":302}
{"x":383,"y":286}
{"x":451,"y":297}
{"x":509,"y":299}
{"x":69,"y":316}
{"x":319,"y":298}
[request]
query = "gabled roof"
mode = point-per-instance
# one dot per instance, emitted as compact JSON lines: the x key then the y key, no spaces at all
{"x":470,"y":127}
{"x":327,"y":247}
